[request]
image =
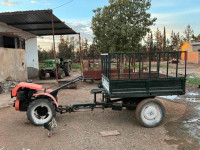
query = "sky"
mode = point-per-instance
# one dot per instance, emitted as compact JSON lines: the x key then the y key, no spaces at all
{"x":173,"y":14}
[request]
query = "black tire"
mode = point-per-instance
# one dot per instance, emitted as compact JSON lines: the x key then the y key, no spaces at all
{"x":52,"y":74}
{"x":42,"y":74}
{"x":40,"y":111}
{"x":150,"y":113}
{"x":67,"y":69}
{"x":61,"y":73}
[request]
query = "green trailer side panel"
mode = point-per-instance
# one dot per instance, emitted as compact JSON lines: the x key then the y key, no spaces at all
{"x":147,"y":87}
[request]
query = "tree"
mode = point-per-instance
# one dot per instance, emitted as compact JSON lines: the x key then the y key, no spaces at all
{"x":121,"y":25}
{"x":176,"y":41}
{"x":188,"y":33}
{"x":158,"y":40}
{"x":85,"y":48}
{"x":196,"y":38}
{"x":66,"y":47}
{"x":149,"y":42}
{"x":93,"y":52}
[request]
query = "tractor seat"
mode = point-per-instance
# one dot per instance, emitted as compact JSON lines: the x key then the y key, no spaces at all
{"x":93,"y":91}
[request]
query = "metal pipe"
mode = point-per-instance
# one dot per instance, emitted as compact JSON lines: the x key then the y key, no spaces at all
{"x":54,"y":46}
{"x":177,"y":65}
{"x":109,"y":67}
{"x":140,"y":66}
{"x":118,"y":66}
{"x":134,"y":63}
{"x":167,"y":63}
{"x":129,"y":67}
{"x":185,"y":63}
{"x":149,"y":65}
{"x":158,"y":65}
{"x":81,"y":58}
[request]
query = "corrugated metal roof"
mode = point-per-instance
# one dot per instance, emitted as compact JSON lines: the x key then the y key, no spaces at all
{"x":195,"y":43}
{"x":38,"y":22}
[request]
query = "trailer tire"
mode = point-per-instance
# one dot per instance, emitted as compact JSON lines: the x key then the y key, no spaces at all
{"x":150,"y":113}
{"x":40,"y":111}
{"x":52,"y":74}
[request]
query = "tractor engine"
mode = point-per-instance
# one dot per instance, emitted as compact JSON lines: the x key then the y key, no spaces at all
{"x":24,"y":95}
{"x":23,"y":99}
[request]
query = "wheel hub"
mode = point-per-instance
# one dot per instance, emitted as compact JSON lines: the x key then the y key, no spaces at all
{"x":41,"y":112}
{"x":150,"y":113}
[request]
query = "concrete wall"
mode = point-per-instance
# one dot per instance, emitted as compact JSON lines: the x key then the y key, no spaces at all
{"x":30,"y":47}
{"x":13,"y":63}
{"x":193,"y":56}
{"x":187,"y":47}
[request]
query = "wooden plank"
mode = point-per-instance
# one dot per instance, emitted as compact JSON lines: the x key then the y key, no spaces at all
{"x":109,"y":133}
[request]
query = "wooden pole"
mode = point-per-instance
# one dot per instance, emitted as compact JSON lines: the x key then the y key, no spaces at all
{"x":54,"y":46}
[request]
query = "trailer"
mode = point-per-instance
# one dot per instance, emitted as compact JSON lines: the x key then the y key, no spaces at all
{"x":139,"y":77}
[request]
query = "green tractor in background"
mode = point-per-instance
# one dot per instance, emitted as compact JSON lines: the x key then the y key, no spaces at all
{"x":64,"y":68}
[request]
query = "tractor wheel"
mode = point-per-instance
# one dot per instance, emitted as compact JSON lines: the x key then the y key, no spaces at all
{"x":41,"y":74}
{"x":61,"y":73}
{"x":40,"y":111}
{"x":67,"y":69}
{"x":150,"y":113}
{"x":52,"y":74}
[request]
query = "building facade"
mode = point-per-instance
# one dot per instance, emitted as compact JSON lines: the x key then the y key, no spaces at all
{"x":18,"y":53}
{"x":193,"y":52}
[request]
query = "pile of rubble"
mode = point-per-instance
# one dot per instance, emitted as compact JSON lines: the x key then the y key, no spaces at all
{"x":8,"y":84}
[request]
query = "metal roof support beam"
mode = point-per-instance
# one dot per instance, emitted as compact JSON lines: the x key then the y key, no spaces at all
{"x":54,"y":46}
{"x":34,"y":23}
{"x":46,"y":29}
{"x":54,"y":34}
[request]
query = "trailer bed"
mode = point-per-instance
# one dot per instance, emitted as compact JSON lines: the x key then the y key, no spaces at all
{"x":138,"y":83}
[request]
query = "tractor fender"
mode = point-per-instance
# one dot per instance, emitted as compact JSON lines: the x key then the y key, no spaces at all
{"x":25,"y":85}
{"x":48,"y":95}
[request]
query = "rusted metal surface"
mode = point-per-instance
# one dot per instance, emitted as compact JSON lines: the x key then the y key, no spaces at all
{"x":54,"y":47}
{"x":81,"y":57}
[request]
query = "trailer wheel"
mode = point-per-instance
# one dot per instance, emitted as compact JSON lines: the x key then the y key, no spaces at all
{"x":61,"y":73}
{"x":52,"y":74}
{"x":40,"y":111}
{"x":150,"y":113}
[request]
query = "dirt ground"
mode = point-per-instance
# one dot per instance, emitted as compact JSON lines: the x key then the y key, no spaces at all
{"x":80,"y":130}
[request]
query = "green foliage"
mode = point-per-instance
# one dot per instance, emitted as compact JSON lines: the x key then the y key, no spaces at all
{"x":195,"y":81}
{"x":93,"y":52}
{"x":188,"y":33}
{"x":44,"y":54}
{"x":75,"y":66}
{"x":66,"y":47}
{"x":121,"y":25}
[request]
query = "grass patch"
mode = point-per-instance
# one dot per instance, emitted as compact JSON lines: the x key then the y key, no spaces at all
{"x":75,"y":66}
{"x":195,"y":81}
